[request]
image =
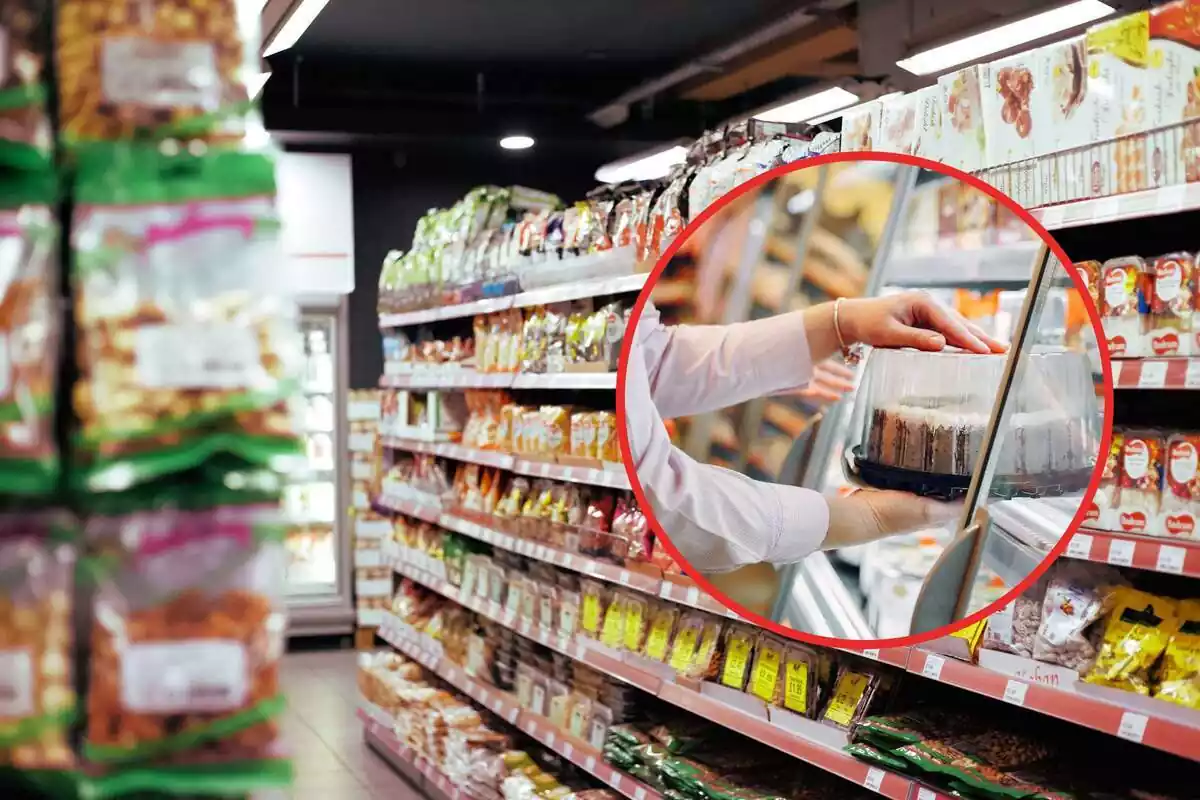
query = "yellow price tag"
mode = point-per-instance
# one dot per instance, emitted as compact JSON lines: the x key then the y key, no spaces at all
{"x":766,"y":674}
{"x":737,"y":657}
{"x":614,"y":626}
{"x":795,"y":690}
{"x":633,"y":626}
{"x":683,"y":650}
{"x":708,"y":646}
{"x":659,"y":638}
{"x":591,"y":613}
{"x":847,"y":694}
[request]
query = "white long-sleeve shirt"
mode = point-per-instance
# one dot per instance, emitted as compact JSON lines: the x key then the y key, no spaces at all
{"x":718,"y":519}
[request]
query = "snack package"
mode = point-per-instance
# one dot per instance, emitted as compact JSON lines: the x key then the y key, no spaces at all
{"x":1141,"y":480}
{"x":637,"y":618}
{"x":153,"y":69}
{"x":188,"y":344}
{"x":1179,"y":676}
{"x":1181,"y":486}
{"x":592,"y":606}
{"x":851,"y":697}
{"x":801,"y":680}
{"x":736,"y":656}
{"x":1172,"y":280}
{"x":1077,"y":595}
{"x":25,"y":132}
{"x":1013,"y":628}
{"x":704,"y":662}
{"x":686,"y":642}
{"x":1089,"y":275}
{"x":608,"y":446}
{"x":30,"y":327}
{"x":767,"y":671}
{"x":1124,"y":305}
{"x":1138,"y":629}
{"x":37,"y":692}
{"x":663,"y":620}
{"x":1102,"y":513}
{"x":187,"y":636}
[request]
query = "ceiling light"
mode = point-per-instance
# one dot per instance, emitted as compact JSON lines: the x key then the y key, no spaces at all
{"x":255,"y":83}
{"x":1004,"y":37}
{"x":303,"y":14}
{"x":643,"y":167}
{"x":844,"y":111}
{"x":516,"y":142}
{"x":809,"y":106}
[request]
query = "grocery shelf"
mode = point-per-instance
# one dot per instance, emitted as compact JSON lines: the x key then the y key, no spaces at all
{"x":459,"y":378}
{"x":566,"y":380}
{"x":612,"y":475}
{"x":379,"y":733}
{"x":488,"y":305}
{"x":580,"y":290}
{"x":1057,"y":692}
{"x":1156,"y":373}
{"x":1135,"y":205}
{"x":1010,"y":264}
{"x":1174,"y":556}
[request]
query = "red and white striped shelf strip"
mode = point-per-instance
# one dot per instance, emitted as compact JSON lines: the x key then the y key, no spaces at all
{"x":1172,"y":556}
{"x":1156,"y":373}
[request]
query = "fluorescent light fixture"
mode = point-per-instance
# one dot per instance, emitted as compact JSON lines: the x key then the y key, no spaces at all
{"x":809,"y":106}
{"x":643,"y":167}
{"x":844,"y":111}
{"x":256,"y":83}
{"x":516,"y":142}
{"x":1005,"y":37}
{"x":303,"y":14}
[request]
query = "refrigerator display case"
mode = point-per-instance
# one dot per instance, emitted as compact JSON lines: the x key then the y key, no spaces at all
{"x":927,"y":579}
{"x":318,"y":578}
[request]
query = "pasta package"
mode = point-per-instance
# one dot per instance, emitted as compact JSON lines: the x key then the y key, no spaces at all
{"x":187,"y":636}
{"x":1137,"y":633}
{"x":188,"y":344}
{"x":1179,"y":679}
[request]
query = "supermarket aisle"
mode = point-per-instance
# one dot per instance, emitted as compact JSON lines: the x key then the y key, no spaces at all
{"x":325,"y":737}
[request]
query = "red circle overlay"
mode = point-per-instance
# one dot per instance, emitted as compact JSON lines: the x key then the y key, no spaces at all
{"x":716,"y":208}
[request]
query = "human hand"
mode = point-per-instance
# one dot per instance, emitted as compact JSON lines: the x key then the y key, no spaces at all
{"x":912,"y":319}
{"x":831,"y":379}
{"x":866,"y":515}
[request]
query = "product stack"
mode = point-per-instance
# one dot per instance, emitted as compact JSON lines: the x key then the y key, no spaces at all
{"x":141,"y":612}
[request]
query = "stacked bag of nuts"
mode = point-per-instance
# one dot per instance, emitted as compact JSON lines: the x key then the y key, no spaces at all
{"x":141,"y":559}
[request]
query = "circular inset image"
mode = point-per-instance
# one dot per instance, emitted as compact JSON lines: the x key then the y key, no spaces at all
{"x":863,"y":401}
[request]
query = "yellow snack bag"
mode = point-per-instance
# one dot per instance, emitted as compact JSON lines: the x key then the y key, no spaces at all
{"x":662,"y":627}
{"x":1179,"y":681}
{"x":1137,"y":633}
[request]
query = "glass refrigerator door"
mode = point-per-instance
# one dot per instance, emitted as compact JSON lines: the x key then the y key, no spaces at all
{"x":312,"y":500}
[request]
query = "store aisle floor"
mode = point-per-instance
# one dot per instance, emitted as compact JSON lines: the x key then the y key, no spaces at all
{"x":326,"y":738}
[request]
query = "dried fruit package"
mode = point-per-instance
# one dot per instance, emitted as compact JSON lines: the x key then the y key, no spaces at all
{"x":29,"y":334}
{"x":25,"y":134}
{"x":1179,"y":678}
{"x":1076,"y":597}
{"x":1137,"y":633}
{"x":187,"y":636}
{"x":37,"y":695}
{"x":188,"y":338}
{"x":136,"y":69}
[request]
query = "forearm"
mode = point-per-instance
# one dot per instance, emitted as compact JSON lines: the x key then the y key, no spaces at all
{"x":821,"y":332}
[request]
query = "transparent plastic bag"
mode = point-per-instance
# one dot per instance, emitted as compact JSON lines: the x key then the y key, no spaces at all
{"x":187,"y":635}
{"x":188,"y":336}
{"x":30,"y":328}
{"x":37,"y":693}
{"x":135,"y":69}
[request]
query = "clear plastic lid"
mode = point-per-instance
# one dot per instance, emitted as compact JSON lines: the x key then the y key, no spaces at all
{"x":929,"y":413}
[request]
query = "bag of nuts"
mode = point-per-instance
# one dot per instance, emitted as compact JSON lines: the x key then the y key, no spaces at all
{"x":29,"y":333}
{"x":37,"y":695}
{"x":187,"y":635}
{"x":130,"y":69}
{"x":188,"y":341}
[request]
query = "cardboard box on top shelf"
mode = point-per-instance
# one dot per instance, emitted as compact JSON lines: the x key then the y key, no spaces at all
{"x":1009,"y":91}
{"x":861,"y":128}
{"x":963,"y":135}
{"x":927,"y":105}
{"x":1063,"y":108}
{"x":898,"y":128}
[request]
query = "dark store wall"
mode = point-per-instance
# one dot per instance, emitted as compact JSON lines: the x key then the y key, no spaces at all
{"x":391,"y":194}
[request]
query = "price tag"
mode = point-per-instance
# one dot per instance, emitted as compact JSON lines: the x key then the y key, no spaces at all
{"x":1191,"y":380}
{"x":568,"y":474}
{"x":567,"y":750}
{"x":874,"y":779}
{"x":590,"y":764}
{"x":512,"y":715}
{"x":1154,"y":375}
{"x":639,"y":793}
{"x":1172,"y":198}
{"x":1170,"y":559}
{"x":693,"y":595}
{"x":1080,"y":546}
{"x":623,"y":578}
{"x":614,"y":780}
{"x":1051,"y":217}
{"x":933,"y":667}
{"x":1132,"y":727}
{"x":551,"y":739}
{"x":1014,"y":692}
{"x":926,"y":794}
{"x":1120,"y":552}
{"x":871,"y":654}
{"x":1106,"y":208}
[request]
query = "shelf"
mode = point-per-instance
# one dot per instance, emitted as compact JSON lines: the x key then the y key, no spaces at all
{"x":1135,"y":205}
{"x":1009,"y":265}
{"x":612,"y":476}
{"x":1156,"y":373}
{"x":486,"y":306}
{"x":580,"y":290}
{"x":1176,"y":557}
{"x":431,"y":379}
{"x":1056,"y":692}
{"x":380,"y":733}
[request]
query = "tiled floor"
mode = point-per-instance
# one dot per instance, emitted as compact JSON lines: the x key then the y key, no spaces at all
{"x":332,"y":761}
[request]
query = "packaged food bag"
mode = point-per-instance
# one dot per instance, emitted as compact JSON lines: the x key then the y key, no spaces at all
{"x":187,"y":635}
{"x":1179,"y":676}
{"x":149,"y":69}
{"x":30,"y":327}
{"x":25,"y":131}
{"x":1137,"y":632}
{"x":37,"y":691}
{"x":188,"y":343}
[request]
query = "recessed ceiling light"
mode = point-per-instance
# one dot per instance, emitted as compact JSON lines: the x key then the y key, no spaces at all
{"x":516,"y":142}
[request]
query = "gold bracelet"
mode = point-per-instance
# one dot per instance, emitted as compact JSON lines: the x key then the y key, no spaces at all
{"x":837,"y":324}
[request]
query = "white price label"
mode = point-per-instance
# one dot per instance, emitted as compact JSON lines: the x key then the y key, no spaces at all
{"x":1132,"y":727}
{"x":623,"y":578}
{"x":568,"y":474}
{"x":874,"y":779}
{"x":1080,"y":546}
{"x":1154,"y":375}
{"x":1014,"y":692}
{"x":567,"y":750}
{"x":926,"y":794}
{"x":639,"y":793}
{"x":933,"y":667}
{"x":1170,"y":559}
{"x":1106,"y":208}
{"x":614,"y":780}
{"x":871,"y":654}
{"x":1120,"y":552}
{"x":693,"y":595}
{"x":496,"y":705}
{"x":1172,"y":198}
{"x":1051,"y":217}
{"x":512,"y":715}
{"x":590,"y":764}
{"x":551,"y":739}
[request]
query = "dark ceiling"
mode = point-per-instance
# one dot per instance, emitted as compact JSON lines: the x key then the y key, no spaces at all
{"x":457,"y":74}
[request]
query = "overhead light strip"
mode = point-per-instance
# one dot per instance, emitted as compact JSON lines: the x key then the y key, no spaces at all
{"x":804,"y":109}
{"x":303,"y":14}
{"x":644,"y":167}
{"x":1004,"y":37}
